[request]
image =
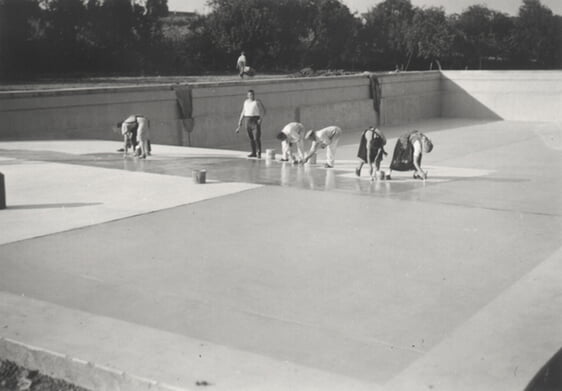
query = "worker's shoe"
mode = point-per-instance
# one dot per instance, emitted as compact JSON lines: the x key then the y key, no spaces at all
{"x":328,"y":166}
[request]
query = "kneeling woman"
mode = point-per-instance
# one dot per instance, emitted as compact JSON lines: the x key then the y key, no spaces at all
{"x":408,"y":153}
{"x":371,"y":150}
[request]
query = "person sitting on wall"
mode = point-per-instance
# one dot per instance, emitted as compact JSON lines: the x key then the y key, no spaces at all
{"x":408,"y":153}
{"x":292,"y":134}
{"x":371,"y":150}
{"x":241,"y":64}
{"x":135,"y":131}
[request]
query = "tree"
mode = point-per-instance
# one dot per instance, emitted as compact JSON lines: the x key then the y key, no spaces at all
{"x":235,"y":25}
{"x":385,"y":29}
{"x":157,"y":8}
{"x":429,"y":36}
{"x":330,"y":35}
{"x":536,"y":38}
{"x":502,"y":30}
{"x":19,"y":30}
{"x":475,"y":28}
{"x":290,"y":28}
{"x":65,"y":21}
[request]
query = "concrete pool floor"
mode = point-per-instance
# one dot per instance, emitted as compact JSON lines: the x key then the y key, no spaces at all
{"x":281,"y":277}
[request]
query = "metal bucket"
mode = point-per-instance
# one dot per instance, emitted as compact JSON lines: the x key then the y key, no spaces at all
{"x":270,"y":154}
{"x":199,"y":176}
{"x":312,"y":159}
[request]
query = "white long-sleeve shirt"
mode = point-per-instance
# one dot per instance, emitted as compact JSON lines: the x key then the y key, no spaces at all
{"x":295,"y":135}
{"x":325,"y":136}
{"x":294,"y":132}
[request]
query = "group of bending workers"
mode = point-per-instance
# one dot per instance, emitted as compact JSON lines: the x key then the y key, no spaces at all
{"x":407,"y":152}
{"x":407,"y":155}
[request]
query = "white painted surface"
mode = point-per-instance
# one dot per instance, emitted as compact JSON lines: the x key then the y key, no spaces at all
{"x":44,"y":198}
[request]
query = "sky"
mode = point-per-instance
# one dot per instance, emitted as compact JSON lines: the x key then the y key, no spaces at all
{"x":510,"y":7}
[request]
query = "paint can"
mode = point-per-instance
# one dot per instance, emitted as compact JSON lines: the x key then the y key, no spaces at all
{"x":312,"y":159}
{"x":270,"y":154}
{"x":199,"y":176}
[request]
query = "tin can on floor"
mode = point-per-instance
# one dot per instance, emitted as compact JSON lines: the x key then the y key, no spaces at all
{"x":270,"y":154}
{"x":199,"y":176}
{"x":313,"y":158}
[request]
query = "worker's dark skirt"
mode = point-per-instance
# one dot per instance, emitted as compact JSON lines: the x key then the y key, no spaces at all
{"x":403,"y":156}
{"x":376,"y":149}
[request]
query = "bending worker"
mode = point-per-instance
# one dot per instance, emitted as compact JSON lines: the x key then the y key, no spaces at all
{"x":292,"y":134}
{"x":408,"y":153}
{"x":252,"y":114}
{"x":135,"y":131}
{"x":324,"y":138}
{"x":371,"y":150}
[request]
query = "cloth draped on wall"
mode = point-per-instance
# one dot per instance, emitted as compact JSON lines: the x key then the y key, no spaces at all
{"x":375,"y":95}
{"x":185,"y":105}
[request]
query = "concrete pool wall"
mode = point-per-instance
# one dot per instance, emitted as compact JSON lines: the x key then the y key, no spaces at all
{"x":506,"y":95}
{"x":342,"y":100}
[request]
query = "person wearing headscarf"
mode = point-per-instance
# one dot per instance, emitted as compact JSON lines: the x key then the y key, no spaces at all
{"x":408,"y":154}
{"x":371,"y":150}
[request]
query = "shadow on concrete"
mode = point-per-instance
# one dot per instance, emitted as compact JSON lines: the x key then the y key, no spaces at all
{"x":486,"y":179}
{"x":457,"y":102}
{"x":54,"y":206}
{"x":549,"y":378}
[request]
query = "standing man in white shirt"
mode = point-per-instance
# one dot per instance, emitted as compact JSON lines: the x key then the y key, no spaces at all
{"x":292,"y":134}
{"x":252,"y":115}
{"x":241,"y":64}
{"x":324,"y":138}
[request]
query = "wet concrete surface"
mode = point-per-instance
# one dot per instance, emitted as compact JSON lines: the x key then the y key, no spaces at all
{"x":257,"y":171}
{"x":319,"y":268}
